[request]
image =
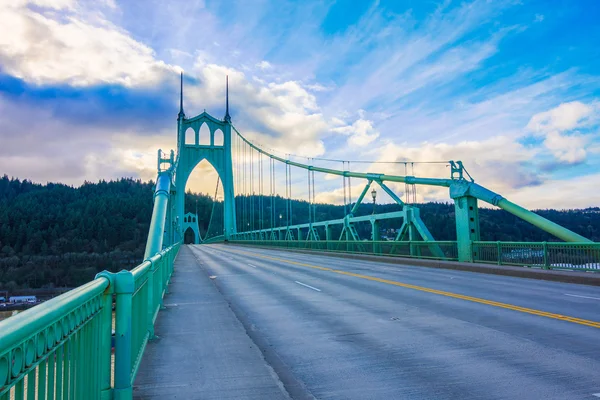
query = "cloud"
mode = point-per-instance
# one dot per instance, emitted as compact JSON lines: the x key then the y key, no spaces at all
{"x":71,"y":47}
{"x":567,"y":149}
{"x":264,"y":65}
{"x":360,"y":133}
{"x":566,"y":116}
{"x":558,"y":125}
{"x":282,"y":115}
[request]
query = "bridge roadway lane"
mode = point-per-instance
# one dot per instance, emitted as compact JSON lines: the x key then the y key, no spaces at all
{"x":330,"y":335}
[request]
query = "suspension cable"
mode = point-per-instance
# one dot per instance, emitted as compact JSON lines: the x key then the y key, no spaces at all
{"x":287,"y":196}
{"x":291,"y":214}
{"x":344,"y":183}
{"x":252,"y":189}
{"x":260,"y":189}
{"x":349,"y":189}
{"x":274,"y":191}
{"x":271,"y":191}
{"x":309,"y":197}
{"x":212,"y":212}
{"x":314,"y":205}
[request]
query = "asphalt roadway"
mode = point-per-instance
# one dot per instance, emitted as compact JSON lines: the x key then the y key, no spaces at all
{"x":337,"y":328}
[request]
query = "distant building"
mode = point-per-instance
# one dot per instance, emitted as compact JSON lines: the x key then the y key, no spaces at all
{"x":22,"y":299}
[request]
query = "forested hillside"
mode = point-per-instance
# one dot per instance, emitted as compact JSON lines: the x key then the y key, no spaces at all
{"x":57,"y":235}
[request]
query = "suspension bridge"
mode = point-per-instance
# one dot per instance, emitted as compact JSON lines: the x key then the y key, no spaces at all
{"x":273,"y":301}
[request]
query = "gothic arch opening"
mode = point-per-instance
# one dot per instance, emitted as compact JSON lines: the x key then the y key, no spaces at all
{"x":190,"y":136}
{"x":189,"y":237}
{"x":199,"y":198}
{"x":204,"y":136}
{"x":218,"y":138}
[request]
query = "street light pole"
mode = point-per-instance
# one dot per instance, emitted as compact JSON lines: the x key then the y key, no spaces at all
{"x":374,"y":194}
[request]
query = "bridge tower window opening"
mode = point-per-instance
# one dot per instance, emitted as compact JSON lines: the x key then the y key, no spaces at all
{"x":204,"y":135}
{"x":218,"y":138}
{"x":190,"y":137}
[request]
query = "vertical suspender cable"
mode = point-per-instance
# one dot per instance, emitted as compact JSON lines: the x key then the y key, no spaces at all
{"x":271,"y":192}
{"x":344,"y":182}
{"x":349,"y":189}
{"x":291,"y":214}
{"x":309,"y":197}
{"x":314,"y":205}
{"x":406,"y":193}
{"x":287,"y":195}
{"x":260,"y":198}
{"x":245,"y":187}
{"x":252,"y":189}
{"x":274,"y":191}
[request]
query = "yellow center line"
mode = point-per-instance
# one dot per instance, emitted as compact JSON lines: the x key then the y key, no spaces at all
{"x":434,"y":291}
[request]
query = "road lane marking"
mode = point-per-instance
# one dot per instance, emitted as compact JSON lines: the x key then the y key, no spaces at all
{"x":526,"y":310}
{"x":583,"y":297}
{"x":596,"y":394}
{"x":253,"y":266}
{"x":308,"y":286}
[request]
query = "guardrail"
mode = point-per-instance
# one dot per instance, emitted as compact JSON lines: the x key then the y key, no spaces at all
{"x":445,"y":250}
{"x":61,"y":349}
{"x":546,"y":255}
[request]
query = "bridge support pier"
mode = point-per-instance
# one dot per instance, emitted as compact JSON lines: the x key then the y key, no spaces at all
{"x":467,"y":227}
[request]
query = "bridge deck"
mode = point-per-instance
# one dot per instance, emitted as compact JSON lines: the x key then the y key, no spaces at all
{"x":337,"y":328}
{"x":203,"y":350}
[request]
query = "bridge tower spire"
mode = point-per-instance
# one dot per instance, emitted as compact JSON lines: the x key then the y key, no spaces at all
{"x":227,"y":116}
{"x":181,"y":113}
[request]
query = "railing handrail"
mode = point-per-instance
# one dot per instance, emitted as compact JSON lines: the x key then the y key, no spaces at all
{"x":35,"y":319}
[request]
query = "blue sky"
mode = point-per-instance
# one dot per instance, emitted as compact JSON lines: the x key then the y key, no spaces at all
{"x":88,"y":89}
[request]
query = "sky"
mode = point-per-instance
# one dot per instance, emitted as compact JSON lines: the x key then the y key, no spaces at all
{"x":89,"y":89}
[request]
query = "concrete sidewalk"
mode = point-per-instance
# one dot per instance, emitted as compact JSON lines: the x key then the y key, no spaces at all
{"x":203,"y":351}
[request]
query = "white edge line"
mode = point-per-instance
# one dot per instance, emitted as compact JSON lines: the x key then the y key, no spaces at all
{"x":596,"y":394}
{"x":253,"y":266}
{"x":583,"y":297}
{"x":308,"y":286}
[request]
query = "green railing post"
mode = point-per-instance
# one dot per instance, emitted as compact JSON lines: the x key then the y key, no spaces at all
{"x":499,"y":252}
{"x":124,"y":288}
{"x":105,"y":337}
{"x":545,"y":247}
{"x":150,"y":299}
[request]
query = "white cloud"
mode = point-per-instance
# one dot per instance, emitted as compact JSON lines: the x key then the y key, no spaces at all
{"x":538,"y":18}
{"x":280,"y":115}
{"x":557,"y":125}
{"x":569,"y":149}
{"x":264,"y":65}
{"x":566,"y":116}
{"x":53,"y":4}
{"x":360,"y":133}
{"x":560,"y":194}
{"x":49,"y":48}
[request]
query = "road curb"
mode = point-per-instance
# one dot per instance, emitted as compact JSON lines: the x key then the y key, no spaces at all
{"x":584,"y":278}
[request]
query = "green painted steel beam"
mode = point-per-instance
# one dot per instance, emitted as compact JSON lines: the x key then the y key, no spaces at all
{"x":361,"y":197}
{"x":154,"y":241}
{"x":464,"y":188}
{"x":541,"y":222}
{"x":390,"y":193}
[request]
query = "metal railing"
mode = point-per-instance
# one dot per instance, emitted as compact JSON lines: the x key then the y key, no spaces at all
{"x":546,"y":255}
{"x":61,"y":349}
{"x":445,"y":250}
